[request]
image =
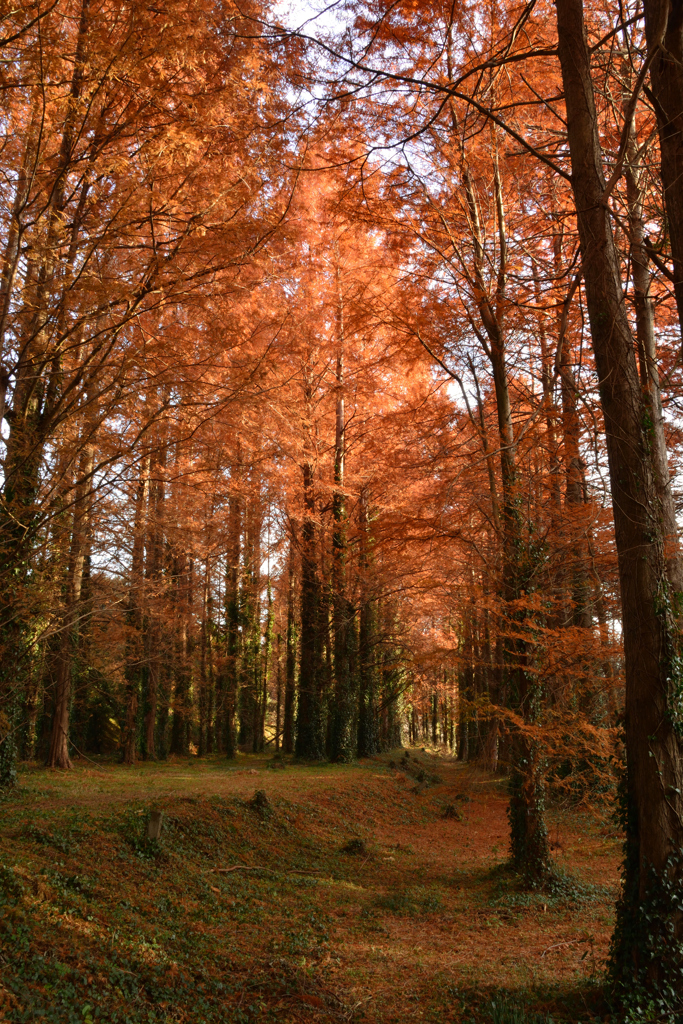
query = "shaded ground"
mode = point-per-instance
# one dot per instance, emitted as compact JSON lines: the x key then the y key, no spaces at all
{"x":418,"y":922}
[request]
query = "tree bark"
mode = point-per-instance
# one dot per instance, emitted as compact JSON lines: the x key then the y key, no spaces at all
{"x":309,"y":712}
{"x":183,"y":642}
{"x":647,"y":357}
{"x":290,"y":662}
{"x":135,"y":667}
{"x":58,"y":756}
{"x":653,"y":717}
{"x":232,"y":623}
{"x":342,"y":711}
{"x":664,"y":35}
{"x":154,"y":578}
{"x":204,"y":745}
{"x":530,"y":853}
{"x":367,"y":656}
{"x":250,"y":695}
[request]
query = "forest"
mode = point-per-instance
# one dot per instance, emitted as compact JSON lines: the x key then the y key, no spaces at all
{"x":341,"y":408}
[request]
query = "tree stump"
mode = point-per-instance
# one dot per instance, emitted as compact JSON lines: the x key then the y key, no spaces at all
{"x":260,"y":801}
{"x":154,"y":824}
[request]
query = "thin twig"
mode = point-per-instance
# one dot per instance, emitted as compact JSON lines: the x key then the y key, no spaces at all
{"x":559,"y":945}
{"x":238,"y":867}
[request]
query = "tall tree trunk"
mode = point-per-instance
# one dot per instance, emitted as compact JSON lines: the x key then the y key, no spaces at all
{"x":664,"y":34}
{"x":59,"y":750}
{"x":155,"y":582}
{"x":367,"y":654}
{"x":267,"y":667}
{"x":34,"y":689}
{"x":647,"y":356}
{"x":250,"y":617}
{"x":205,"y":675}
{"x":36,"y":381}
{"x":342,"y":710}
{"x":278,"y":692}
{"x":15,"y":232}
{"x":134,"y":621}
{"x":653,"y":718}
{"x":465,"y":687}
{"x":290,"y":663}
{"x":309,"y":712}
{"x":165,"y":694}
{"x":574,"y":518}
{"x":529,"y":848}
{"x":232,"y":616}
{"x":182,"y":697}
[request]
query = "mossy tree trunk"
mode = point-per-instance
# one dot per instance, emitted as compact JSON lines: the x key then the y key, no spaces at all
{"x":486,"y":272}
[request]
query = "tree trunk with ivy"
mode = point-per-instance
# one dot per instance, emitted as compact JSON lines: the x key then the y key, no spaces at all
{"x":529,"y":850}
{"x":646,"y":955}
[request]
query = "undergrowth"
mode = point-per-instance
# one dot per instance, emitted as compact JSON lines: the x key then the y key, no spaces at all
{"x":564,"y":890}
{"x":237,"y":916}
{"x":506,"y":1011}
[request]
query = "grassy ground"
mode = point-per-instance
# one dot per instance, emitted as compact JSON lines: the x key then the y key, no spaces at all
{"x":416,"y":920}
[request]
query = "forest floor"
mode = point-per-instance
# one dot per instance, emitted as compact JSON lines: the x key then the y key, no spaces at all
{"x":418,"y":919}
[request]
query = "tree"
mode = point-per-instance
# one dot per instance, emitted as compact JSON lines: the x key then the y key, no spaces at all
{"x":648,"y":578}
